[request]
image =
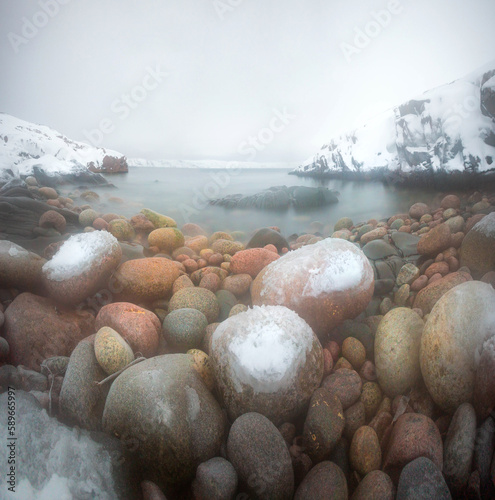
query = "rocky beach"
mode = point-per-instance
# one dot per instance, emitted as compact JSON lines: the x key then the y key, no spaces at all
{"x":151,"y":360}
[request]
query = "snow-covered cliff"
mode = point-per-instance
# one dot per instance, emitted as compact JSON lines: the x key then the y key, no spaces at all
{"x":447,"y":130}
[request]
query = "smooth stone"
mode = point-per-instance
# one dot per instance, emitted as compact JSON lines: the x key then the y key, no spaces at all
{"x":406,"y":243}
{"x":379,"y":249}
{"x":216,"y":479}
{"x":260,"y":457}
{"x":375,"y":486}
{"x":112,"y":351}
{"x":422,"y":480}
{"x":346,"y":385}
{"x":185,"y":328}
{"x":325,"y":480}
{"x":365,"y":453}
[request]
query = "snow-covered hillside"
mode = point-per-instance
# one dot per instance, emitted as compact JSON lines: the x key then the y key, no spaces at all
{"x":447,"y":129}
{"x":24,"y":145}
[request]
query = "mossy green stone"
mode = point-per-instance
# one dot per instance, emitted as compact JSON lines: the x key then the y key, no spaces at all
{"x":112,"y":352}
{"x":196,"y":298}
{"x":158,"y":220}
{"x":121,"y":229}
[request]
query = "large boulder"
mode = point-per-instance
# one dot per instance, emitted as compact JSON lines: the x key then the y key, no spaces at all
{"x":144,"y":279}
{"x":37,"y":329}
{"x":138,"y":326}
{"x":81,"y":399}
{"x":478,"y":247}
{"x":397,"y":344}
{"x":453,"y":337}
{"x":163,"y":406}
{"x":325,"y":283}
{"x":261,"y":458}
{"x":435,"y":240}
{"x":19,"y":268}
{"x":266,"y":360}
{"x":81,"y":267}
{"x":431,"y":294}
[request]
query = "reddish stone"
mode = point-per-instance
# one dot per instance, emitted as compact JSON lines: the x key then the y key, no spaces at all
{"x":434,"y":241}
{"x":190,"y":265}
{"x":418,"y":210}
{"x":419,"y":283}
{"x":413,"y":435}
{"x":100,"y":224}
{"x":210,"y":281}
{"x":271,"y":248}
{"x":53,"y":219}
{"x":238,"y":284}
{"x":251,"y":261}
{"x":215,"y":259}
{"x":36,"y":328}
{"x":441,"y":268}
{"x":451,"y":201}
{"x":139,"y":327}
{"x":191,"y":229}
{"x":453,"y":264}
{"x":472,"y":221}
{"x":429,"y":296}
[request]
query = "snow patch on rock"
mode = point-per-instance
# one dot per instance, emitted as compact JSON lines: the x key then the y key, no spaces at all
{"x":270,"y":345}
{"x":330,"y":265}
{"x":486,"y":225}
{"x":78,"y":254}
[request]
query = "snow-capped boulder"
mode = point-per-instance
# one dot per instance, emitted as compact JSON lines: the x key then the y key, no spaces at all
{"x":82,"y":266}
{"x":325,"y":283}
{"x":446,"y":133}
{"x":266,"y":360}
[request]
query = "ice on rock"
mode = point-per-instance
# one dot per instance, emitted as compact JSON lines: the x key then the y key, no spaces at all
{"x":12,"y":249}
{"x":330,"y":265}
{"x":78,"y":254}
{"x":54,"y":461}
{"x":268,"y":348}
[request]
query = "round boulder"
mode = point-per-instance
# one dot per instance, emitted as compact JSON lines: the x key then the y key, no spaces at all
{"x":185,"y":328}
{"x":453,"y":337}
{"x":196,"y":298}
{"x":163,"y":406}
{"x":112,"y":351}
{"x":478,"y":247}
{"x":325,"y":283}
{"x":267,"y":360}
{"x":81,"y":267}
{"x":261,"y":458}
{"x":397,"y":344}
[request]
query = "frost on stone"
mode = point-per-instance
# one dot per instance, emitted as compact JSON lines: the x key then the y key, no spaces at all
{"x":11,"y":249}
{"x":54,"y":461}
{"x":269,"y":347}
{"x":330,"y":265}
{"x":78,"y":254}
{"x":193,"y":404}
{"x":486,"y":225}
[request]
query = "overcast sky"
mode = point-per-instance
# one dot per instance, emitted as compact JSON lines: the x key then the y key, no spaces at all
{"x":264,"y":80}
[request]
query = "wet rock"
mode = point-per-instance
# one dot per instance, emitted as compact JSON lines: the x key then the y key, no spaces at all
{"x":453,"y":337}
{"x":82,"y":401}
{"x":397,"y":345}
{"x":346,"y":385}
{"x":175,"y":427}
{"x":459,"y":447}
{"x":36,"y":329}
{"x":324,"y":424}
{"x":216,"y":479}
{"x":412,"y":436}
{"x":325,"y":480}
{"x":422,"y":480}
{"x":139,"y":327}
{"x":260,"y":457}
{"x":142,"y":280}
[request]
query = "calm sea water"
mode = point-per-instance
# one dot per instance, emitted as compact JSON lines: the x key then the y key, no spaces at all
{"x":182,"y":194}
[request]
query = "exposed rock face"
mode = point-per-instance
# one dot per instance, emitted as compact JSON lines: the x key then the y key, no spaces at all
{"x":423,"y":141}
{"x":110,"y":165}
{"x":281,"y":198}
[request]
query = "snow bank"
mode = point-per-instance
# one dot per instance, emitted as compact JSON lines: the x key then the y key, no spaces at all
{"x":78,"y":254}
